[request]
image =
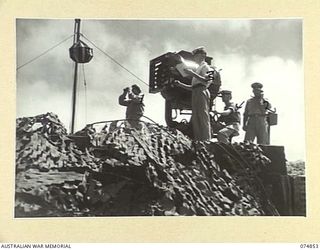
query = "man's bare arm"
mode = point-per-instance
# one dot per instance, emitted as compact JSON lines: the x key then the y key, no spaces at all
{"x":183,"y":85}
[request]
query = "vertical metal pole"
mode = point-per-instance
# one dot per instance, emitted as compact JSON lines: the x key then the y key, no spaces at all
{"x":74,"y":93}
{"x":268,"y":142}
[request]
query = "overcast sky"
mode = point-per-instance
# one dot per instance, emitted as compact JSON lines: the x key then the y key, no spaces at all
{"x":268,"y":51}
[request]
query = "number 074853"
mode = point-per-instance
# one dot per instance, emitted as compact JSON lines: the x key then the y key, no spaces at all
{"x":305,"y":245}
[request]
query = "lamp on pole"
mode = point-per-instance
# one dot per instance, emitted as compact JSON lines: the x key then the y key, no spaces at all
{"x":74,"y":92}
{"x":79,"y":53}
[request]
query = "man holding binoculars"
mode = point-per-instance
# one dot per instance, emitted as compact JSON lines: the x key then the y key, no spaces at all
{"x":133,"y":100}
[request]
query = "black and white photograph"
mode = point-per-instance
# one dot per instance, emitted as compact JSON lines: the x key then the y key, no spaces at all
{"x":159,"y":117}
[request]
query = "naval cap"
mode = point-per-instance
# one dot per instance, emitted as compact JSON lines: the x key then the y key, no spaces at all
{"x":135,"y":86}
{"x":199,"y":50}
{"x":256,"y":85}
{"x":225,"y":92}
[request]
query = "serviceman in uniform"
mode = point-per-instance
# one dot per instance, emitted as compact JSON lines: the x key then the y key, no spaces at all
{"x":255,"y":116}
{"x":230,"y":118}
{"x":133,"y":100}
{"x":200,"y":96}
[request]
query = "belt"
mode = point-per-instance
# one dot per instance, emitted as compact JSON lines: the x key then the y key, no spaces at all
{"x":233,"y":123}
{"x":257,"y":115}
{"x":198,"y":85}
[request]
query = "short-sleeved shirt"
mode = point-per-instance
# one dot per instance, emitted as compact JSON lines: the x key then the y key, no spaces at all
{"x":233,"y":117}
{"x":257,"y":106}
{"x":202,"y":71}
{"x":135,"y":106}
